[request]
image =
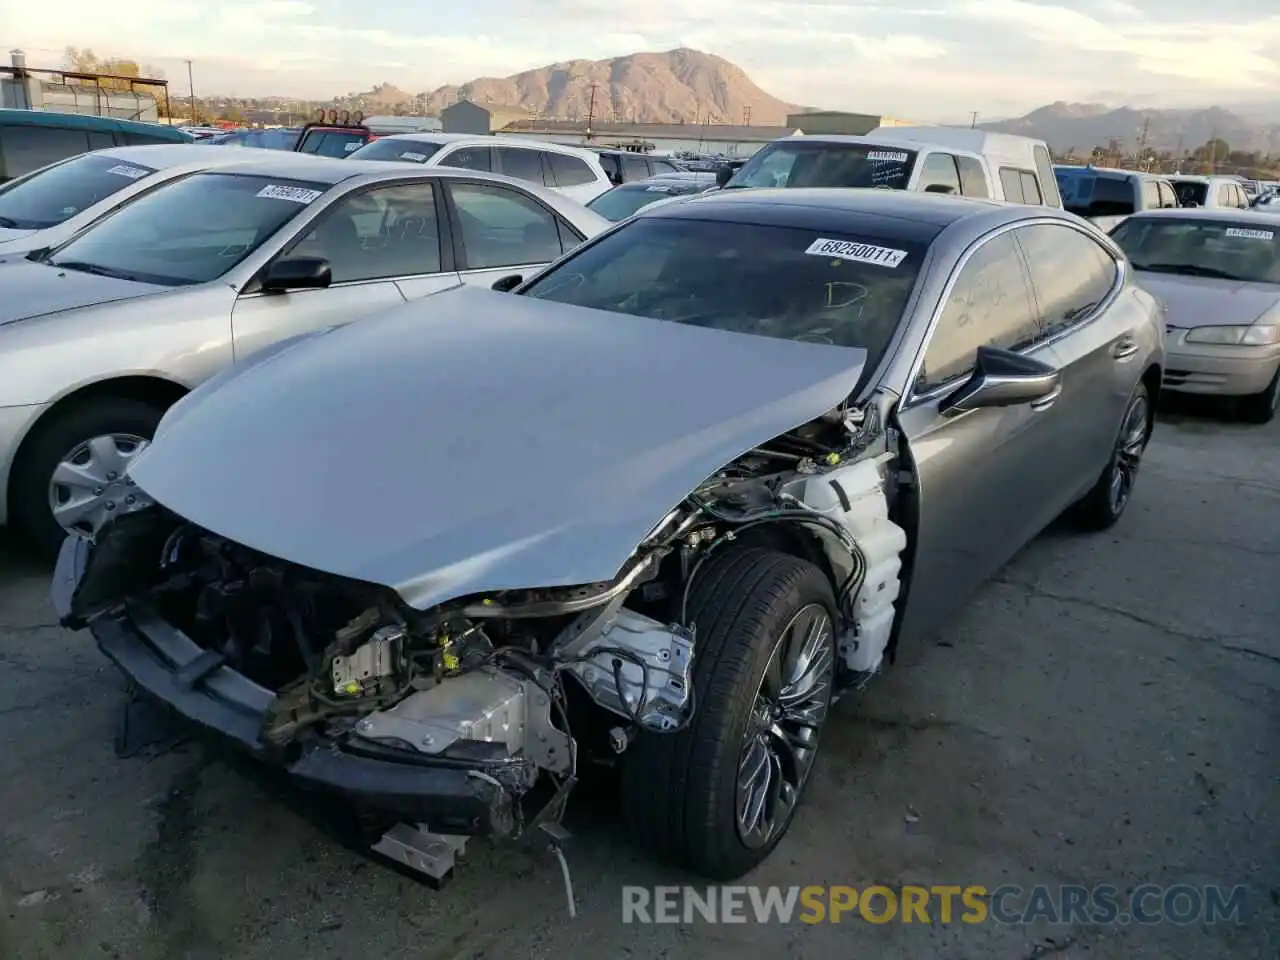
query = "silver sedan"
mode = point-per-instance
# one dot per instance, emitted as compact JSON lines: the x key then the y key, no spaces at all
{"x":666,"y":500}
{"x":103,"y":333}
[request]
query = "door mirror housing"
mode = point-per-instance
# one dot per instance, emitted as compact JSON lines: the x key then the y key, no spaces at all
{"x":507,"y":284}
{"x":944,"y":188}
{"x":1002,"y":378}
{"x":723,"y":175}
{"x":297,"y":273}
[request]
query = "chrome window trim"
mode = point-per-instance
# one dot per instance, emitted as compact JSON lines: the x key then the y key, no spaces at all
{"x":910,"y":398}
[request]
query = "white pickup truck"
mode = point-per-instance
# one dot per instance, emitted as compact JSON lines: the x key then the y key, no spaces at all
{"x":950,"y":160}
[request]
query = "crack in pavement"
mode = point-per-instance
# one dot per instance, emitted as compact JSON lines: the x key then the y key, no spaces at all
{"x":1215,"y":640}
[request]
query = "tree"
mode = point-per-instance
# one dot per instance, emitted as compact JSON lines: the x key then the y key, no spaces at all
{"x":86,"y":61}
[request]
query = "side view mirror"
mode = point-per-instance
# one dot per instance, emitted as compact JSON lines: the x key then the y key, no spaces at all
{"x":723,"y":175}
{"x":940,"y":188}
{"x":507,"y":284}
{"x":1004,"y":379}
{"x":297,"y":273}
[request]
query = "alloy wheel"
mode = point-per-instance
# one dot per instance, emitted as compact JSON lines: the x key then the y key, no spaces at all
{"x":781,"y":739}
{"x":89,"y":485}
{"x":1130,"y":445}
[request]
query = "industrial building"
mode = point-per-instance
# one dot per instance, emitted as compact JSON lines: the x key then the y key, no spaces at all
{"x":838,"y":122}
{"x":466,"y":116}
{"x":30,"y":88}
{"x":730,"y":140}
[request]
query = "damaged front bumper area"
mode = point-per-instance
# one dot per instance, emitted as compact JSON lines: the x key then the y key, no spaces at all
{"x":432,"y":721}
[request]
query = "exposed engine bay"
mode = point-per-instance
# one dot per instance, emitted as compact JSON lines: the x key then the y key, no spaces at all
{"x":517,"y":685}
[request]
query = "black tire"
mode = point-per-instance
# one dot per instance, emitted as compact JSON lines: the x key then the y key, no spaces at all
{"x":1100,"y":509}
{"x":1261,"y":407}
{"x":29,"y":484}
{"x":680,"y":791}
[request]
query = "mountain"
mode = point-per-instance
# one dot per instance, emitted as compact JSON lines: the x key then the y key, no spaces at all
{"x":679,"y":85}
{"x":1086,"y":125}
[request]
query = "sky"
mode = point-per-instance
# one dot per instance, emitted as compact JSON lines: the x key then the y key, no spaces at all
{"x":922,"y":59}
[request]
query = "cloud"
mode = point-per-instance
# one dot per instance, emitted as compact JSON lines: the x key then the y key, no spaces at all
{"x":924,"y":58}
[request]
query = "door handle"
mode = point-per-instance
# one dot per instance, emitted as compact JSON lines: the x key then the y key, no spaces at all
{"x":1048,"y":400}
{"x":1124,"y":348}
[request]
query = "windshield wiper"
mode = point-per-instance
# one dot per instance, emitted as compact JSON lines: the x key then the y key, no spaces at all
{"x":81,"y":267}
{"x":1188,"y":269}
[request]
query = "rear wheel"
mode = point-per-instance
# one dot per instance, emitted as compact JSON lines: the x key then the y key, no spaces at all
{"x":1106,"y":502}
{"x":1261,"y":407}
{"x":71,"y":477}
{"x":717,"y":797}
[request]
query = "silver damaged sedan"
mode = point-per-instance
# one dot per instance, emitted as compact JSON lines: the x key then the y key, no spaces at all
{"x":101,"y":334}
{"x":657,"y":506}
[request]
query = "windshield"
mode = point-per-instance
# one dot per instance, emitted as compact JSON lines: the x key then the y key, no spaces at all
{"x":621,"y":202}
{"x":794,"y":284}
{"x":332,"y":143}
{"x":800,"y":164}
{"x":59,"y":192}
{"x":1191,"y":193}
{"x":393,"y":148}
{"x":191,"y":231}
{"x":283,"y":138}
{"x":1228,"y":249}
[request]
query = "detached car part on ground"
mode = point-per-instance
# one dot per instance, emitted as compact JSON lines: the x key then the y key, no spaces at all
{"x":653,"y":508}
{"x":99,"y":335}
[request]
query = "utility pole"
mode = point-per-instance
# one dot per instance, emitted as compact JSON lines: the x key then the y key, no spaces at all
{"x":1142,"y":144}
{"x":973,"y":119}
{"x":591,"y":109}
{"x":191,"y":90}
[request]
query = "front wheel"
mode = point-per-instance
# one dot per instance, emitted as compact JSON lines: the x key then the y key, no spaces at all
{"x":1106,"y":502}
{"x":717,"y":797}
{"x":71,"y":477}
{"x":1261,"y":407}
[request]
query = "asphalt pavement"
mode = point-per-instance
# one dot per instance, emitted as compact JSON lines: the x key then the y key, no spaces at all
{"x":1106,"y":712}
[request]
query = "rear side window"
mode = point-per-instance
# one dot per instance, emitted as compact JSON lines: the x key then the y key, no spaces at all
{"x":1112,"y":197}
{"x":98,"y":140}
{"x":502,"y":228}
{"x":1011,"y":184}
{"x":144,"y":139}
{"x":519,"y":163}
{"x":973,"y":180}
{"x":570,"y":171}
{"x":1224,"y":196}
{"x":24,"y":148}
{"x":1031,"y":189}
{"x":938,"y":174}
{"x":1070,"y":274}
{"x":470,"y":158}
{"x":1168,"y":199}
{"x":1044,"y":173}
{"x":612,"y":167}
{"x":634,"y":168}
{"x":663,"y":166}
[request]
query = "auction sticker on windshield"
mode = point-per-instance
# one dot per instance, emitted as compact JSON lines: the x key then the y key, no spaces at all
{"x":124,"y":170}
{"x":276,"y":191}
{"x":857,"y":252}
{"x":887,"y":155}
{"x":1249,"y":233}
{"x":415,"y":157}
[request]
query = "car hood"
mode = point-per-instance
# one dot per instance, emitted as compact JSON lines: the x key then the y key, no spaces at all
{"x":30,"y":289}
{"x":1208,"y":301}
{"x":9,"y":235}
{"x":477,"y":441}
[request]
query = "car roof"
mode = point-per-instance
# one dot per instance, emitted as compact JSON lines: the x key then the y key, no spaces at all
{"x":1114,"y":173}
{"x":87,"y":121}
{"x":307,"y":166}
{"x":1250,"y":217}
{"x":162,"y":156}
{"x":892,"y":213}
{"x":482,"y":139}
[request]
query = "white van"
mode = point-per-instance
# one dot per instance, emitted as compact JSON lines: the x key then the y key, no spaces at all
{"x":950,"y":160}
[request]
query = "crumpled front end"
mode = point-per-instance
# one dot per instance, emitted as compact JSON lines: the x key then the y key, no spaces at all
{"x":449,"y":717}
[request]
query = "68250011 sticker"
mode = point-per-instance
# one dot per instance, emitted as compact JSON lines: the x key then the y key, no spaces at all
{"x":887,"y":156}
{"x":1248,"y":233}
{"x":278,"y":191}
{"x":124,"y":170}
{"x":857,"y":252}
